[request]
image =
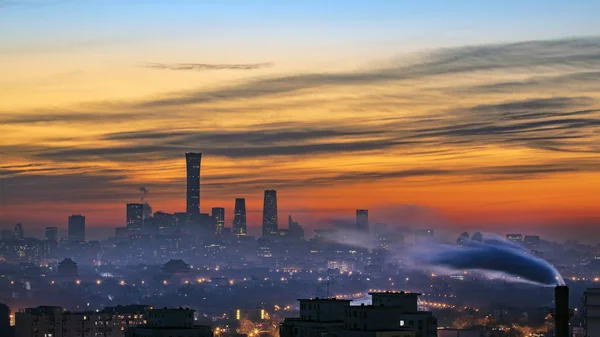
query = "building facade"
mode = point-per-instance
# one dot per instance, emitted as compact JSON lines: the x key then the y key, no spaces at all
{"x":591,"y":312}
{"x":239,"y":217}
{"x":76,"y":228}
{"x":51,"y":234}
{"x":270,"y":219}
{"x":170,"y":322}
{"x":135,"y":217}
{"x":392,"y":314}
{"x":193,"y":161}
{"x":218,"y":214}
{"x":362,"y":220}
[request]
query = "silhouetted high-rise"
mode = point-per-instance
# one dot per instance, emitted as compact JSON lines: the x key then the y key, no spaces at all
{"x":193,"y":185}
{"x":18,"y":232}
{"x":76,"y":228}
{"x":239,"y":217}
{"x":362,"y":220}
{"x":219,"y":214}
{"x":135,"y":216}
{"x":52,"y":234}
{"x":270,"y":223}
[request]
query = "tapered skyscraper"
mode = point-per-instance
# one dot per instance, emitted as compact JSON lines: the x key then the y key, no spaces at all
{"x":193,"y":185}
{"x":239,"y":217}
{"x":270,"y":223}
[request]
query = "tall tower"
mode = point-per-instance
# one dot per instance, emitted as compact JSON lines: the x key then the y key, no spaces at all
{"x":239,"y":217}
{"x":135,"y":216}
{"x":193,"y":185}
{"x":219,"y":214}
{"x":270,"y":225}
{"x":362,"y":220}
{"x":76,"y":228}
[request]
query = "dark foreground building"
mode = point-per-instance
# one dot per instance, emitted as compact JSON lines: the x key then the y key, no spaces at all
{"x":170,"y":322}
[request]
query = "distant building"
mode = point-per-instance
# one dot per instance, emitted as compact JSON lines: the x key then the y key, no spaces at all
{"x":463,"y":239}
{"x":135,"y":218}
{"x":18,"y":232}
{"x":239,"y":217}
{"x":67,"y":268}
{"x":516,"y":238}
{"x":170,"y":322}
{"x":51,"y":234}
{"x":270,"y":219}
{"x":532,"y":242}
{"x":218,"y":213}
{"x":362,"y":220}
{"x":591,"y":312}
{"x":295,"y":231}
{"x":121,"y":232}
{"x":423,"y":235}
{"x":56,"y":322}
{"x":193,"y":161}
{"x":391,"y":314}
{"x":76,"y":228}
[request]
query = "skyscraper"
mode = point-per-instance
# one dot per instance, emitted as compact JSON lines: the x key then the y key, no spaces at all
{"x":52,"y":234}
{"x":270,"y":223}
{"x":239,"y":217}
{"x":362,"y":220}
{"x":18,"y":232}
{"x":193,"y":185}
{"x":76,"y":228}
{"x":219,"y":214}
{"x":294,"y":229}
{"x":135,"y":216}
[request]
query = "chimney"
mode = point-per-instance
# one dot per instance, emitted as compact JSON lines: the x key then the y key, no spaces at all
{"x":562,"y":314}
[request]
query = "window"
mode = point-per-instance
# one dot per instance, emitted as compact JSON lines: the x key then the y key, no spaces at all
{"x":355,"y":314}
{"x":401,"y":322}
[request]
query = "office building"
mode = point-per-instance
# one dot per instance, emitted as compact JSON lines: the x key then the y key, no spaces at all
{"x":18,"y":232}
{"x":170,"y":322}
{"x":135,"y":218}
{"x":516,"y":238}
{"x":239,"y":217}
{"x":76,"y":228}
{"x":193,"y":161}
{"x":391,"y":314}
{"x":51,"y":234}
{"x":218,"y":213}
{"x":270,"y":221}
{"x":362,"y":220}
{"x":591,"y":312}
{"x":48,"y":321}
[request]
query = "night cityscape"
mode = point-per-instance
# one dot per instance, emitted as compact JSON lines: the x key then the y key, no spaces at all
{"x":451,"y":191}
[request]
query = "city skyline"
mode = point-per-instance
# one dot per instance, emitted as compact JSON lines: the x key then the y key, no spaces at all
{"x":429,"y":114}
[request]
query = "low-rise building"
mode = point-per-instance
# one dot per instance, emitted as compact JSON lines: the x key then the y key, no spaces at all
{"x":392,"y":314}
{"x":170,"y":322}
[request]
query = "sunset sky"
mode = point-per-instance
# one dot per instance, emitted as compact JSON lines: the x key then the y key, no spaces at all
{"x":455,"y":115}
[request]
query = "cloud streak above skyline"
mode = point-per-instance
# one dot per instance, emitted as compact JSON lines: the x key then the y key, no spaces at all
{"x":446,"y":128}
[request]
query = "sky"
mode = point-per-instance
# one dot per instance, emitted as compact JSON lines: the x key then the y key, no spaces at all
{"x":455,"y":115}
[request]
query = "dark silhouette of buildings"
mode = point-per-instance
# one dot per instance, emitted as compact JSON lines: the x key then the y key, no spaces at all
{"x":362,"y":220}
{"x":219,"y":214}
{"x":176,"y":267}
{"x":516,"y":238}
{"x":18,"y":232}
{"x":170,"y":322}
{"x":5,"y":328}
{"x":239,"y":217}
{"x":51,"y":234}
{"x":391,"y":314}
{"x":67,"y":268}
{"x":294,"y":229}
{"x":76,"y":228}
{"x":135,"y":216}
{"x":193,"y":185}
{"x":270,"y":222}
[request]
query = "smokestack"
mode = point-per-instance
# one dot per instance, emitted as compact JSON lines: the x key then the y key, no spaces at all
{"x":562,"y":314}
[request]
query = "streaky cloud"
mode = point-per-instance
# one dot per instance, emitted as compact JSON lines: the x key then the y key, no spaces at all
{"x":205,"y":66}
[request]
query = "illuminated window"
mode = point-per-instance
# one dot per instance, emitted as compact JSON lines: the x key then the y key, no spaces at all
{"x":401,"y":322}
